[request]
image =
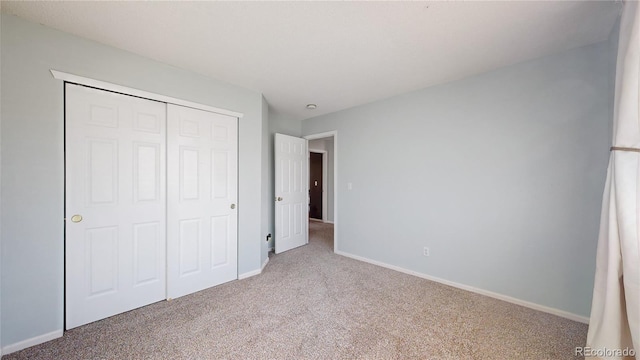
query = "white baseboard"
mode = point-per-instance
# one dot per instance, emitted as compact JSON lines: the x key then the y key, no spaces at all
{"x":11,"y":348}
{"x":320,"y":220}
{"x":534,"y":306}
{"x":254,"y":272}
{"x":249,"y":274}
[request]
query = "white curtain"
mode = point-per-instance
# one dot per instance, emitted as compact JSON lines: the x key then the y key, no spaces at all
{"x":615,"y":310}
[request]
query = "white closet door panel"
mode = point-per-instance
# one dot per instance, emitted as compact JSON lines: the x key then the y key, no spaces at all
{"x":116,"y":180}
{"x":202,"y":192}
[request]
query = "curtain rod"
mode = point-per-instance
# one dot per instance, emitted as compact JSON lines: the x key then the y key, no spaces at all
{"x":621,"y":148}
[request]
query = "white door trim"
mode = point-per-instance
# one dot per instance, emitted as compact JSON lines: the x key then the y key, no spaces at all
{"x":333,"y":134}
{"x":324,"y":181}
{"x":103,"y":85}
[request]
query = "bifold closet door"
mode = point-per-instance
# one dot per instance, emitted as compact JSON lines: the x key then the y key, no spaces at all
{"x":202,"y":196}
{"x":115,"y":229}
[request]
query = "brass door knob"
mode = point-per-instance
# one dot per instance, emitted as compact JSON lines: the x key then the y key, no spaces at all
{"x":76,"y":218}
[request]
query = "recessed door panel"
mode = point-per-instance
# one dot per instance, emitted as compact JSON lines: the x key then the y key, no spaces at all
{"x":189,"y":127}
{"x":148,"y":122}
{"x":102,"y":171}
{"x":220,"y":133}
{"x":285,"y":176}
{"x":147,"y":245}
{"x":219,"y":171}
{"x":189,"y":246}
{"x":105,"y":114}
{"x":102,"y":260}
{"x":285,"y":221}
{"x":189,"y":173}
{"x":146,"y":171}
{"x":219,"y":236}
{"x":297,"y":176}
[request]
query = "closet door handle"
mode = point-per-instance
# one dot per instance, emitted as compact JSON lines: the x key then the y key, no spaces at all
{"x":233,"y":206}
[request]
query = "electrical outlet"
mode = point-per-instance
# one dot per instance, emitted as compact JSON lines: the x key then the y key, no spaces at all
{"x":425,"y":251}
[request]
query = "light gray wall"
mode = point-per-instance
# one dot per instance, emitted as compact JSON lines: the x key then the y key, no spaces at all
{"x":32,"y":160}
{"x":280,"y":124}
{"x":316,"y":144}
{"x":1,"y":246}
{"x":266,"y":200}
{"x":613,"y":59}
{"x":500,"y":175}
{"x":329,"y":143}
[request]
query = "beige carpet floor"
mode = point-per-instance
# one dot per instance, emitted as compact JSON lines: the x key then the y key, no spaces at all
{"x":312,"y":304}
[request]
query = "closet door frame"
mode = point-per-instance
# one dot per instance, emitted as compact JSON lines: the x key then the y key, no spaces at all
{"x":103,"y":85}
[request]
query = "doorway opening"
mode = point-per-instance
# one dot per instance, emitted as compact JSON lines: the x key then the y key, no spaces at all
{"x":317,"y":184}
{"x":323,"y":175}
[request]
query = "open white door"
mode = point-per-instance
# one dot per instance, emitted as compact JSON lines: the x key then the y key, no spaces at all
{"x":115,"y":203}
{"x":292,"y":192}
{"x":202,"y":219}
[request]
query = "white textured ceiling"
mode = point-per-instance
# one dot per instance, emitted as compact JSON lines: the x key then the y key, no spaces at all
{"x":335,"y":54}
